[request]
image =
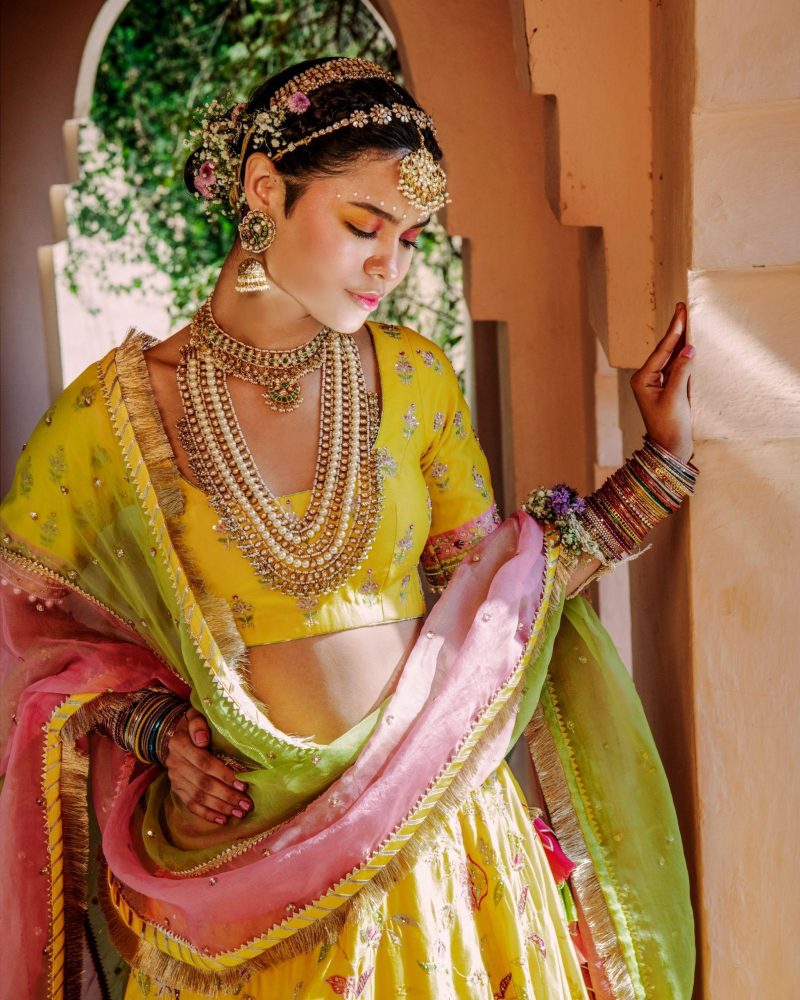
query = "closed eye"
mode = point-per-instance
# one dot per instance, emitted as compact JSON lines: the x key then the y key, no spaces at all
{"x":410,"y":244}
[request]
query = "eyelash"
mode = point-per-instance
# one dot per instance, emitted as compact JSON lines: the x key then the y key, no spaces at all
{"x":410,"y":244}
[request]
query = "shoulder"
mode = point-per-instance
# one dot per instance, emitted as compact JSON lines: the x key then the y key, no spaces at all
{"x":419,"y":356}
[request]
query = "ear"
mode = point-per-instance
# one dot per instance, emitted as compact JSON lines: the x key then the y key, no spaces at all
{"x":263,"y":185}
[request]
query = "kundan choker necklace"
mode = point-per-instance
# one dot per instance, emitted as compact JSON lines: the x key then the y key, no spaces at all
{"x":301,"y":556}
{"x":279,"y":371}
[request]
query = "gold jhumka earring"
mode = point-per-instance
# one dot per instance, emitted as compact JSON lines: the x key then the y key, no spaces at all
{"x":257,"y":233}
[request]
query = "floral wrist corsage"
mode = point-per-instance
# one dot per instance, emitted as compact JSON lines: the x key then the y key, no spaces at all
{"x":563,"y":507}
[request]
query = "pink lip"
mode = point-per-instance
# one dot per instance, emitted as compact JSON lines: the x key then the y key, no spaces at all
{"x":366,"y":301}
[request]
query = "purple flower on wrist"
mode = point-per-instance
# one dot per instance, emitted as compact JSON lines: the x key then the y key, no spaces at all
{"x":561,"y":499}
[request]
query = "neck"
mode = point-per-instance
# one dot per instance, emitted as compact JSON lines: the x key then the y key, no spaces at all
{"x":272,"y":319}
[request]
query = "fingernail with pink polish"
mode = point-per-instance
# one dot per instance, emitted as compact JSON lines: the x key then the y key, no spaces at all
{"x":240,"y":786}
{"x":688,"y":351}
{"x":220,"y":820}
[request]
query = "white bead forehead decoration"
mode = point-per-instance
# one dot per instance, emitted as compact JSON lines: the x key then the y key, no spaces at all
{"x":224,"y":137}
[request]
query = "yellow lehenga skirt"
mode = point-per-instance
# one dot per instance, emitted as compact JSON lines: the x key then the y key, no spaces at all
{"x":478,"y":916}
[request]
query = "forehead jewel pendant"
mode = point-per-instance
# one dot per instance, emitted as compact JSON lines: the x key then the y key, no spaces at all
{"x":422,"y":180}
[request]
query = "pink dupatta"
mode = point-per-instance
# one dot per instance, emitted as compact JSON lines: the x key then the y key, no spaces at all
{"x":445,"y":728}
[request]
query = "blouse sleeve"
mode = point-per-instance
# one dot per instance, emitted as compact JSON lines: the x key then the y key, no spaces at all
{"x":456,"y":472}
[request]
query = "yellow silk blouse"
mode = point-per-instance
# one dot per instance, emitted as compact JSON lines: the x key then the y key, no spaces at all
{"x":437,"y":504}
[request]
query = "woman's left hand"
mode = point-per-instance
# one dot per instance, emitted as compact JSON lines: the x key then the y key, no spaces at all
{"x":661,"y":388}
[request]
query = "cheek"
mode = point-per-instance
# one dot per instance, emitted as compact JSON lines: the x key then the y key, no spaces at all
{"x":327,"y":255}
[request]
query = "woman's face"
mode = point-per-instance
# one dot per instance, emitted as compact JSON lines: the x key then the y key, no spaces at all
{"x":346,"y":244}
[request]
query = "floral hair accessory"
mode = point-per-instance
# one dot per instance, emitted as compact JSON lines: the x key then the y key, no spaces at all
{"x":225,"y":135}
{"x":205,"y":181}
{"x":298,"y":102}
{"x":562,"y":506}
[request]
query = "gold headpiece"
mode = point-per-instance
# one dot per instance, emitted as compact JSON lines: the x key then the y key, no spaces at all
{"x":226,"y":136}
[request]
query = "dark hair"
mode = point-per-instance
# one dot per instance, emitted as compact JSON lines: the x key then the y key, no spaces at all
{"x":334,"y":153}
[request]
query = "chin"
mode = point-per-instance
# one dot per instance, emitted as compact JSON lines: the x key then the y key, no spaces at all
{"x":345,"y":320}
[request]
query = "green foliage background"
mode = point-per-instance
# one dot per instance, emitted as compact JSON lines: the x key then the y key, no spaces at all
{"x":162,"y":61}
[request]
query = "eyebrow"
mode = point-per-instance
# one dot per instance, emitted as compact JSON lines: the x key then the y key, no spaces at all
{"x":383,"y":214}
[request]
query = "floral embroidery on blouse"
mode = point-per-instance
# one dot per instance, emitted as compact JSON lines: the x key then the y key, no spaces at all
{"x":48,"y":417}
{"x":369,"y":589}
{"x":438,"y":420}
{"x":404,"y":368}
{"x":242,"y":611}
{"x":220,"y":530}
{"x":387,"y":464}
{"x":458,"y":426}
{"x":404,"y":588}
{"x":392,"y":329}
{"x":443,"y":552}
{"x":439,"y":473}
{"x":431,"y":361}
{"x":410,"y":421}
{"x":309,"y":605}
{"x":404,"y":545}
{"x":480,"y":483}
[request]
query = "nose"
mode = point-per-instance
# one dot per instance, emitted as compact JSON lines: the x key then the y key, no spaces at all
{"x":384,"y":266}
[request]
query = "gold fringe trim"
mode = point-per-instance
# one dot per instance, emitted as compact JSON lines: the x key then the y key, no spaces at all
{"x":566,"y":825}
{"x":134,"y":382}
{"x":172,"y":972}
{"x":65,"y":772}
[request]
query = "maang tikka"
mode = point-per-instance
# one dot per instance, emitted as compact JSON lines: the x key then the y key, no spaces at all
{"x":256,"y":232}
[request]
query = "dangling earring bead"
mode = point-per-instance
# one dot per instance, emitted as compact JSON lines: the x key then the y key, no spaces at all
{"x":256,"y":232}
{"x":251,"y":277}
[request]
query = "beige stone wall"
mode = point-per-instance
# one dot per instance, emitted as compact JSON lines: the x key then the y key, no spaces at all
{"x":744,"y":289}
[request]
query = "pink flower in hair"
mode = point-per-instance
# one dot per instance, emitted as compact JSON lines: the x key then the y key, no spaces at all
{"x":298,"y":101}
{"x":237,"y":110}
{"x":205,"y":179}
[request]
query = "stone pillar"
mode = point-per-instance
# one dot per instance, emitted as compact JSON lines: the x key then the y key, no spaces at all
{"x":744,"y":299}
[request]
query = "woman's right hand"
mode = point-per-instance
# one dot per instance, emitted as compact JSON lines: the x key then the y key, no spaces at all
{"x":207,"y":787}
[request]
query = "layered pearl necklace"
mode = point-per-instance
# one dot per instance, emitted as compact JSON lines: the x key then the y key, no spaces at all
{"x":308,"y":555}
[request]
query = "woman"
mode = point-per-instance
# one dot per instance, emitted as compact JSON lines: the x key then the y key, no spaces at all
{"x":299,"y":779}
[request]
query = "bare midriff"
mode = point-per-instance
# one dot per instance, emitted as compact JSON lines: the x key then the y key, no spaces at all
{"x":322,"y":685}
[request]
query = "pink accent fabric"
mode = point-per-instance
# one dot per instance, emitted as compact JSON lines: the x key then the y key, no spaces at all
{"x":560,"y":865}
{"x":469,"y":647}
{"x":46,"y":656}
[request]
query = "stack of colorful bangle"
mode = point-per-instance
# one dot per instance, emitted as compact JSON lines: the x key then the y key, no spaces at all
{"x":611,"y":524}
{"x":145,"y":727}
{"x":647,"y":488}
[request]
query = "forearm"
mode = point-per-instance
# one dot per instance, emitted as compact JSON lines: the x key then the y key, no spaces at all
{"x":610,"y":526}
{"x":142,"y":722}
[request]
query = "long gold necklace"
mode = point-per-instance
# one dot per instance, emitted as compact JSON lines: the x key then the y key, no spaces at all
{"x":308,"y":555}
{"x":279,"y":371}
